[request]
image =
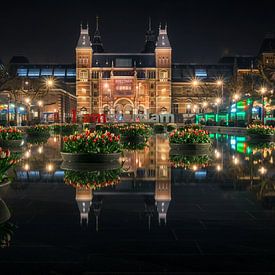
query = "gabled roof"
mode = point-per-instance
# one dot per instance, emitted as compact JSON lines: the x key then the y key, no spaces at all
{"x":97,"y":44}
{"x":150,"y":40}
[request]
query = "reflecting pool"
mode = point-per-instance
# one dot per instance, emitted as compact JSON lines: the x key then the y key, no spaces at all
{"x":151,"y":211}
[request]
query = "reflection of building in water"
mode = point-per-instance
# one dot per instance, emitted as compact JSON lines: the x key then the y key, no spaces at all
{"x":163,"y":178}
{"x":84,"y":196}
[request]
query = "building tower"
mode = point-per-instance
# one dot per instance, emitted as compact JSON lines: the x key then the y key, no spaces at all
{"x":150,"y":39}
{"x":83,"y":197}
{"x":163,"y":55}
{"x":267,"y":51}
{"x":163,"y":178}
{"x":83,"y":64}
{"x":97,"y":44}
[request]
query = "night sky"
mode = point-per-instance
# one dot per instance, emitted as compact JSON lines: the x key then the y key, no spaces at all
{"x":199,"y":31}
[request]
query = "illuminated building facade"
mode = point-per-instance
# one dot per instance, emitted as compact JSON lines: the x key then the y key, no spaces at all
{"x":124,"y":83}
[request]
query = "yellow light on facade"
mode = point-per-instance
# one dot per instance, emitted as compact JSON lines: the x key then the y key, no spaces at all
{"x":219,"y":82}
{"x":106,"y":85}
{"x":236,"y":97}
{"x":205,"y":103}
{"x":40,"y":150}
{"x":50,"y":83}
{"x":40,"y":103}
{"x":195,"y":168}
{"x":219,"y":168}
{"x":27,"y":154}
{"x":54,"y":139}
{"x":26,"y":167}
{"x":262,"y":170}
{"x":217,"y":154}
{"x":27,"y":100}
{"x":263,"y":90}
{"x":188,"y":106}
{"x":218,"y":100}
{"x":49,"y":167}
{"x":195,"y":83}
{"x":236,"y":161}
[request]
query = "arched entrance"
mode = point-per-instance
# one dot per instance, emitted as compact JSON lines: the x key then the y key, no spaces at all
{"x":124,"y":108}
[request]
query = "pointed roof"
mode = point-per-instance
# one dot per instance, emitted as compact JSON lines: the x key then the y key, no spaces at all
{"x":150,"y":39}
{"x":163,"y":40}
{"x":84,"y":40}
{"x":97,"y":44}
{"x":268,"y":44}
{"x":162,"y":208}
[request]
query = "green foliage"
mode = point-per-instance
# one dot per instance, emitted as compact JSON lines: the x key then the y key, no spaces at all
{"x":261,"y":130}
{"x":93,"y":179}
{"x":7,"y":160}
{"x":38,"y":130}
{"x":92,"y":142}
{"x":189,"y":136}
{"x":171,"y":127}
{"x":64,"y":129}
{"x":181,"y":161}
{"x":159,"y":128}
{"x":10,"y":133}
{"x":134,"y":130}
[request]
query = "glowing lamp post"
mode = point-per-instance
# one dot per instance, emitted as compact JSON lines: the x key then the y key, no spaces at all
{"x":263,"y":91}
{"x":219,"y":83}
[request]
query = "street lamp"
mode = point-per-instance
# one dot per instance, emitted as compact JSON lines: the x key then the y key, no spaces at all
{"x":219,"y":83}
{"x":218,"y":101}
{"x":263,"y":91}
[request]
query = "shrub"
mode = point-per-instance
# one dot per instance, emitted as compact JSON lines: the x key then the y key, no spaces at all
{"x":38,"y":130}
{"x":24,"y":123}
{"x":260,"y":130}
{"x":92,"y":142}
{"x":3,"y":123}
{"x":189,"y":136}
{"x":10,"y":133}
{"x":171,"y":127}
{"x":159,"y":128}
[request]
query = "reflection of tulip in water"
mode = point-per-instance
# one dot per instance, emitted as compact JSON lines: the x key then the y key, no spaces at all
{"x":93,"y":179}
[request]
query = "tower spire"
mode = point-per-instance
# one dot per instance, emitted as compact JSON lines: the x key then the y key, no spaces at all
{"x":97,"y":44}
{"x":150,"y":27}
{"x":97,"y":18}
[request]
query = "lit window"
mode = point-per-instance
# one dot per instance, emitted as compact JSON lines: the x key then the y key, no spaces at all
{"x":22,"y":72}
{"x":46,"y":72}
{"x":200,"y":73}
{"x":33,"y":72}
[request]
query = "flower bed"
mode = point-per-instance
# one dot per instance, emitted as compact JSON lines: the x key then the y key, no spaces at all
{"x":7,"y":160}
{"x":183,"y":161}
{"x":260,"y":132}
{"x":136,"y":131}
{"x":190,"y":140}
{"x":11,"y":137}
{"x":38,"y":131}
{"x":64,"y":129}
{"x":91,"y":147}
{"x":92,"y":179}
